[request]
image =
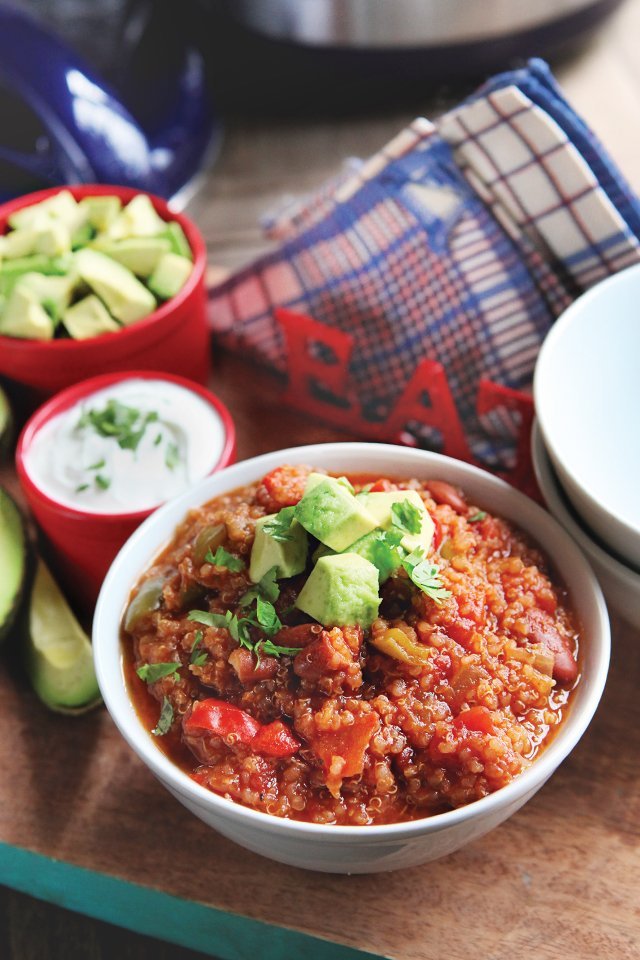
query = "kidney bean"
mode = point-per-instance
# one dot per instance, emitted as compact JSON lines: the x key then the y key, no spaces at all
{"x":542,"y":630}
{"x":445,"y":493}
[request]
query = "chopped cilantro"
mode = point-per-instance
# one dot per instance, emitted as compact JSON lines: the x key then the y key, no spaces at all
{"x":406,"y":516}
{"x":152,"y":672}
{"x":273,"y":650}
{"x":278,"y":528}
{"x":425,"y":575}
{"x":157,"y":440}
{"x":82,"y":488}
{"x":386,"y":553}
{"x":98,"y":465}
{"x":165,"y":719}
{"x":267,"y":587}
{"x":480,"y":515}
{"x":172,"y":456}
{"x":198,"y":657}
{"x":125,"y":424}
{"x":222,"y":558}
{"x":103,"y":482}
{"x":267,"y":617}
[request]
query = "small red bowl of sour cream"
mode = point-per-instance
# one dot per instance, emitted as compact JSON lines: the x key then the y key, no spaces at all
{"x":96,"y":459}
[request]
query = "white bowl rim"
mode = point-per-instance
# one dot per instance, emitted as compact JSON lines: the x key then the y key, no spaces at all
{"x":545,"y":415}
{"x":164,"y":769}
{"x":556,"y":498}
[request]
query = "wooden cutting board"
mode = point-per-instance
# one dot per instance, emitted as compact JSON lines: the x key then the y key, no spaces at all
{"x":85,"y":825}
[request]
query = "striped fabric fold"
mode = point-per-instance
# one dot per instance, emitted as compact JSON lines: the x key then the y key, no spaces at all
{"x":459,"y":242}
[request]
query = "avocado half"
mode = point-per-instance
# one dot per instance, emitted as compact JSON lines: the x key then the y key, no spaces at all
{"x":14,"y":551}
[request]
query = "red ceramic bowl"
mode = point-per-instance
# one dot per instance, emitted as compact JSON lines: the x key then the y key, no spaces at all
{"x":173,"y":338}
{"x":84,"y":543}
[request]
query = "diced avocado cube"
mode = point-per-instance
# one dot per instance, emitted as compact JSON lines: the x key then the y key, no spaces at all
{"x":61,"y":206}
{"x":139,"y":254}
{"x":82,"y":235}
{"x":178,"y":242}
{"x":88,"y":318}
{"x":18,"y":243}
{"x":12,"y":270}
{"x":101,"y":211}
{"x":288,"y":556}
{"x":330,"y":512}
{"x":126,"y":298}
{"x":53,"y":240}
{"x":170,"y":275}
{"x":342,"y":590}
{"x":380,"y":504}
{"x":23,"y":316}
{"x":138,"y":219}
{"x":59,"y":211}
{"x":52,"y":293}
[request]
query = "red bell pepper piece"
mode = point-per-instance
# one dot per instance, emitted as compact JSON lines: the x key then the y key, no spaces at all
{"x":275,"y":740}
{"x":216,"y":716}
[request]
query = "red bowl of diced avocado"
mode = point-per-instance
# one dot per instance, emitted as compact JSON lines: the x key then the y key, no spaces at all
{"x":98,"y":279}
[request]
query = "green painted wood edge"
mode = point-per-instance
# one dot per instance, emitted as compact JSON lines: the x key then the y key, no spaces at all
{"x":228,"y":936}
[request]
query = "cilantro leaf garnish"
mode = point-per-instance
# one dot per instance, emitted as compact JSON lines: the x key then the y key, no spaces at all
{"x":222,"y":558}
{"x":406,"y":516}
{"x":267,"y":587}
{"x":278,"y":528}
{"x":172,"y":456}
{"x":267,"y":617}
{"x":152,"y":672}
{"x":385,"y":552}
{"x":98,"y":465}
{"x":425,"y":575}
{"x":263,"y":618}
{"x":103,"y":482}
{"x":480,"y":515}
{"x":124,"y":424}
{"x":82,"y":488}
{"x":198,"y":657}
{"x":165,"y":719}
{"x":239,"y":628}
{"x":273,"y":650}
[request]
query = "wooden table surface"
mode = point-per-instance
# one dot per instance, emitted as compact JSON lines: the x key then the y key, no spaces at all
{"x":560,"y":879}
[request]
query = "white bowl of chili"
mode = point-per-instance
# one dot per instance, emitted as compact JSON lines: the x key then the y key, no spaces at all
{"x":375,"y":846}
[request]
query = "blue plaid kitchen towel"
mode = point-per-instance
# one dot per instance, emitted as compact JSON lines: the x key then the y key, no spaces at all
{"x":460,"y":242}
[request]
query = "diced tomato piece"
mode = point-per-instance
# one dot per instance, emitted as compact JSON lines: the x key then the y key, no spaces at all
{"x":348,"y":744}
{"x":380,"y":486}
{"x":475,"y":718}
{"x":223,"y":719}
{"x":275,"y":740}
{"x":285,"y":485}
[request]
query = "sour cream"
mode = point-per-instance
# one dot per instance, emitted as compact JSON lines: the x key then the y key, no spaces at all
{"x":126,"y":448}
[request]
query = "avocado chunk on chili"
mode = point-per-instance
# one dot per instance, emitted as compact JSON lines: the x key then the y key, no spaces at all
{"x":289,"y":557}
{"x":342,"y":590}
{"x":331,"y":513}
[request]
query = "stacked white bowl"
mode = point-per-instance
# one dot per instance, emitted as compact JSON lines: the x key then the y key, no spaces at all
{"x":586,"y":442}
